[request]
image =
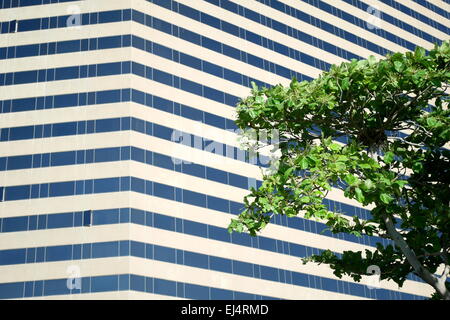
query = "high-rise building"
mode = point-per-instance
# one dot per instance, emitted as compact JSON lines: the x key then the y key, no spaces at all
{"x":119,"y":167}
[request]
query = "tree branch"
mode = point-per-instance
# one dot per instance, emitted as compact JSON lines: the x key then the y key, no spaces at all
{"x":429,"y":278}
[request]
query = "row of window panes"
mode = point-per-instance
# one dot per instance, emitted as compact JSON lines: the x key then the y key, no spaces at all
{"x":125,"y":124}
{"x":122,"y":282}
{"x":113,"y":96}
{"x":416,"y":15}
{"x":364,"y":24}
{"x":126,"y":41}
{"x":30,"y":223}
{"x":153,"y":158}
{"x":44,"y":160}
{"x":230,"y":51}
{"x":125,"y":15}
{"x":118,"y":95}
{"x":70,"y":188}
{"x":126,"y":215}
{"x":259,"y":18}
{"x":63,"y":21}
{"x":119,"y":184}
{"x":115,"y":124}
{"x":121,"y":154}
{"x":298,"y":34}
{"x":243,"y":34}
{"x":117,"y":68}
{"x":433,"y":8}
{"x":5,"y":4}
{"x":156,"y":220}
{"x":187,"y":258}
{"x":80,"y":187}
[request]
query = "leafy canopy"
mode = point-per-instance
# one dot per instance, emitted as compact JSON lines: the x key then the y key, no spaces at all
{"x":394,"y":114}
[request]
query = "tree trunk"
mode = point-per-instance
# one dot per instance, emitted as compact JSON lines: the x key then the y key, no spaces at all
{"x":432,"y":280}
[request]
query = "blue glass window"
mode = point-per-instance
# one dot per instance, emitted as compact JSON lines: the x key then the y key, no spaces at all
{"x":19,"y":162}
{"x":105,"y":249}
{"x":17,"y":193}
{"x":56,"y":287}
{"x":62,"y":189}
{"x":64,"y":129}
{"x":220,"y":264}
{"x":106,"y":185}
{"x":110,"y":16}
{"x":62,"y":220}
{"x":195,"y":228}
{"x":104,"y":283}
{"x":221,"y":294}
{"x":138,"y":249}
{"x":107,"y":125}
{"x":164,"y":222}
{"x":194,"y":198}
{"x":66,"y":73}
{"x":137,"y":282}
{"x":243,"y":268}
{"x":194,"y":259}
{"x":192,"y":291}
{"x":14,"y":224}
{"x":220,"y":234}
{"x":107,"y":154}
{"x":106,"y":217}
{"x":164,"y":254}
{"x":165,"y":287}
{"x":218,"y":204}
{"x":106,"y":69}
{"x":164,"y":191}
{"x":58,"y":253}
{"x":63,"y":158}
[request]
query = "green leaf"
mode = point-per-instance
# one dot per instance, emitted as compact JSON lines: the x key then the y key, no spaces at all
{"x":342,"y":158}
{"x":345,"y":83}
{"x":254,"y":86}
{"x":419,"y":52}
{"x":305,"y":199}
{"x":384,"y":197}
{"x":288,"y":172}
{"x":351,"y":179}
{"x":388,"y":157}
{"x":398,"y":66}
{"x":417,"y":167}
{"x":340,"y":166}
{"x":359,"y":195}
{"x":432,"y":122}
{"x":304,"y":163}
{"x":335,"y":147}
{"x":364,"y":165}
{"x":368,"y":184}
{"x":372,"y":60}
{"x":401,"y":183}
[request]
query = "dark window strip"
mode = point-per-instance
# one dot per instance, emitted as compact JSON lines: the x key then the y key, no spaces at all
{"x":122,"y":282}
{"x":126,"y":41}
{"x":187,"y":258}
{"x":6,"y":4}
{"x":117,"y":68}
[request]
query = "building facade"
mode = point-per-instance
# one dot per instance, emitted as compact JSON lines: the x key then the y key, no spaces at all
{"x":119,"y":165}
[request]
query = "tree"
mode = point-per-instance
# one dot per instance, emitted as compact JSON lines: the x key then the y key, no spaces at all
{"x":405,"y":177}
